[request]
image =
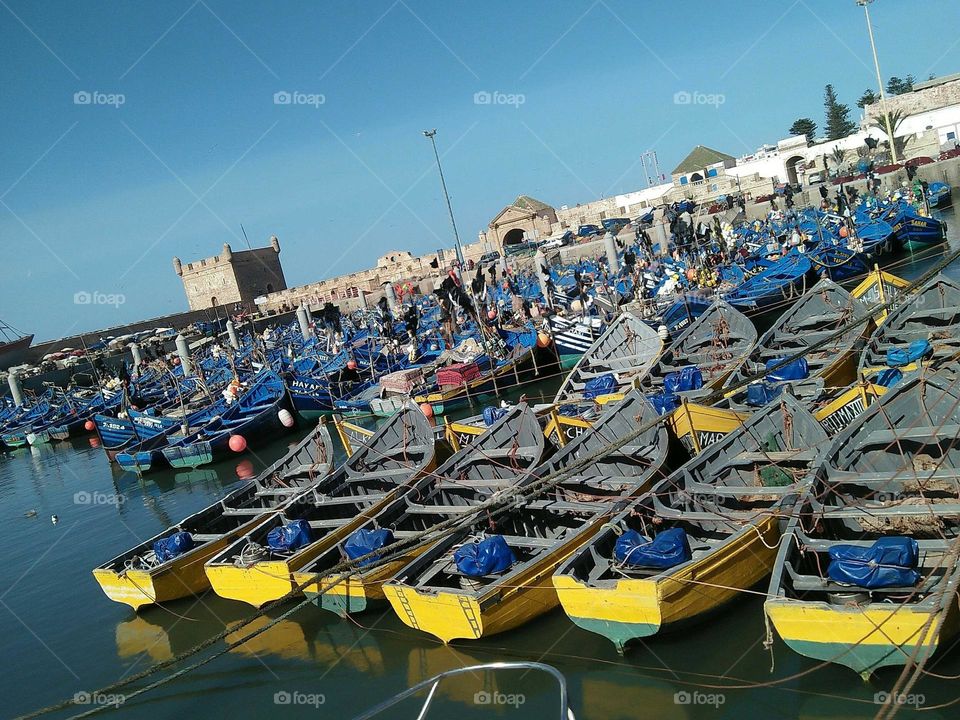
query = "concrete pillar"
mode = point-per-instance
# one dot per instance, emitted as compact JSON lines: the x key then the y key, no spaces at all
{"x":306,"y":307}
{"x":611,"y":247}
{"x":391,"y":297}
{"x":304,"y":322}
{"x":184,"y":353}
{"x":16,"y":392}
{"x":232,"y":335}
{"x":137,"y":357}
{"x":660,"y":239}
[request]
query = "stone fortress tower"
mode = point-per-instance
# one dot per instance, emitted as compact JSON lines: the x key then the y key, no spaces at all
{"x":232,"y":276}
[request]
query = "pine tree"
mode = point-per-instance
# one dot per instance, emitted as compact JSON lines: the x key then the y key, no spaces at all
{"x":804,"y":126}
{"x":869,"y":97}
{"x":839,"y":124}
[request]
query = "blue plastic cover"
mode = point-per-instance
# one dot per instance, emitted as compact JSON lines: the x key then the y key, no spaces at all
{"x":897,"y":357}
{"x":363,"y":542}
{"x":664,"y":403}
{"x":173,"y":546}
{"x":667,"y":549}
{"x":490,"y":555}
{"x":796,"y":370}
{"x":492,"y":414}
{"x":600,"y":385}
{"x":889,"y":562}
{"x":759,"y":394}
{"x":889,"y":377}
{"x":690,"y":378}
{"x":292,"y":536}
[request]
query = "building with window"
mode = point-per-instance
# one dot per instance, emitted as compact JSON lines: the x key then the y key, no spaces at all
{"x":232,"y":276}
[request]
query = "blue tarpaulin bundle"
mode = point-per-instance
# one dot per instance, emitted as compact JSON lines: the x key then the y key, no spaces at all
{"x":690,"y":378}
{"x":897,"y":357}
{"x":490,"y":555}
{"x":363,"y":542}
{"x":173,"y":546}
{"x":889,"y":377}
{"x":492,"y":414}
{"x":889,"y":562}
{"x":600,"y":385}
{"x":664,"y":403}
{"x":292,"y":536}
{"x":667,"y":549}
{"x":796,"y":370}
{"x":759,"y":394}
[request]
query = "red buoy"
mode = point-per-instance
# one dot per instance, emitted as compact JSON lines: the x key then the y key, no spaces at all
{"x":237,"y":443}
{"x":89,"y":426}
{"x":351,"y":364}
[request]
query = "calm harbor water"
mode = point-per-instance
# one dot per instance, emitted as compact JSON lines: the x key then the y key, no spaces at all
{"x":61,"y":635}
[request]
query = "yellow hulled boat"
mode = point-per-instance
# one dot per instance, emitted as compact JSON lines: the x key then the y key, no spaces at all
{"x":496,"y":460}
{"x":866,"y":575}
{"x":259,"y":566}
{"x":141,"y":576}
{"x":456,"y":592}
{"x":700,"y":537}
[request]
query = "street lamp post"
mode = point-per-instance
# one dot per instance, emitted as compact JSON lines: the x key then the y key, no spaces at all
{"x":876,"y":63}
{"x":432,"y":134}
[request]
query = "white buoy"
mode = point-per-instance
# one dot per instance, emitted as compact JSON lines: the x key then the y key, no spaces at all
{"x":304,"y":322}
{"x":184,"y":353}
{"x":232,"y":335}
{"x":137,"y":357}
{"x":611,"y":247}
{"x":16,"y":392}
{"x":286,"y":418}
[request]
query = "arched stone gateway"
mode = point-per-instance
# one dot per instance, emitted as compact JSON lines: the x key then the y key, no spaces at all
{"x":513,"y":237}
{"x":791,"y":166}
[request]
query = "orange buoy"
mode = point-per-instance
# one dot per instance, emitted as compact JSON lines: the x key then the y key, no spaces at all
{"x":843,"y":231}
{"x":492,"y":314}
{"x":94,"y":442}
{"x":244,"y":469}
{"x":543,"y":340}
{"x":89,"y":426}
{"x":427,"y":409}
{"x":351,"y":364}
{"x":237,"y":443}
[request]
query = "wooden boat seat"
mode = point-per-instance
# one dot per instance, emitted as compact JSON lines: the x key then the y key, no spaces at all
{"x":328,"y":501}
{"x":419,"y":509}
{"x":381,"y":474}
{"x":567,"y":506}
{"x":206,"y":537}
{"x":773,"y":456}
{"x":331,"y":524}
{"x":811,"y":583}
{"x":252,"y":512}
{"x":933,"y":435}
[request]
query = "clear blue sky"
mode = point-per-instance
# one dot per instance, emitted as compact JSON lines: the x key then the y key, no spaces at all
{"x":99,"y":198}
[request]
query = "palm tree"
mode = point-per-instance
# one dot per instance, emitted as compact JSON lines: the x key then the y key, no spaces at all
{"x":896,"y":119}
{"x":838,"y":156}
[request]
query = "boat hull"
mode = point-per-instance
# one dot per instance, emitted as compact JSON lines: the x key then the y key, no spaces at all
{"x":640,"y":607}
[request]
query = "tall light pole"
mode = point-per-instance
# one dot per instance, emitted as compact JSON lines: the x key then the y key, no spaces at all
{"x":432,"y":134}
{"x":876,"y":63}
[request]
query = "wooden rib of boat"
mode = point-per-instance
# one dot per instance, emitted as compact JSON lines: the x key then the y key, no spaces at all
{"x":137,"y":579}
{"x":728,"y":501}
{"x":715,"y":343}
{"x":932,"y":314}
{"x":824,"y":310}
{"x":626,"y":350}
{"x":400,"y":452}
{"x":499,"y":458}
{"x":879,"y":288}
{"x":892,"y":473}
{"x":432,"y":594}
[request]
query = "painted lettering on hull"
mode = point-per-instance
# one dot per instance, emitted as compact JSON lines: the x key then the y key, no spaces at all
{"x":842,"y":417}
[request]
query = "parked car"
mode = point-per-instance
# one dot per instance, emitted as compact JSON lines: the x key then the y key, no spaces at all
{"x":588,"y":230}
{"x":814,"y":178}
{"x":489,"y":258}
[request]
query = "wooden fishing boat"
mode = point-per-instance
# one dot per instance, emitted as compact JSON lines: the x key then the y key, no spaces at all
{"x":699,"y":537}
{"x":445,"y":593}
{"x":783,"y":281}
{"x":138,"y":577}
{"x":702,"y":356}
{"x":840,"y":408}
{"x":823,"y":311}
{"x":625,"y":352}
{"x":698,"y":426}
{"x":497,"y":459}
{"x":254,"y":413}
{"x":889,"y":479}
{"x":877,"y":289}
{"x":259,"y":566}
{"x":925,"y":329}
{"x":915,"y":230}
